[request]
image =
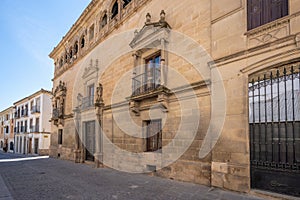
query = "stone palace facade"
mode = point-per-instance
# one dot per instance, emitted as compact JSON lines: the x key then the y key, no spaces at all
{"x":199,"y":91}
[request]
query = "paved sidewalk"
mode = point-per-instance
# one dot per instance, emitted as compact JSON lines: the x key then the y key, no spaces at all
{"x":58,"y":179}
{"x":8,"y":155}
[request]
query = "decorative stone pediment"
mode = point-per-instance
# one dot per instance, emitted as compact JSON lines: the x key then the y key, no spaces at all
{"x":91,"y":69}
{"x":151,"y":34}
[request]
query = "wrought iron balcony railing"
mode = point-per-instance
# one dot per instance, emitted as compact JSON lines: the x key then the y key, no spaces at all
{"x":35,"y":109}
{"x":87,"y":102}
{"x":16,"y":130}
{"x":146,"y":82}
{"x":34,"y":129}
{"x":17,"y":114}
{"x":24,"y":113}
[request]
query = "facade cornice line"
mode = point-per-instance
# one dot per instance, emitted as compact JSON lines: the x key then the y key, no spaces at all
{"x":41,"y":91}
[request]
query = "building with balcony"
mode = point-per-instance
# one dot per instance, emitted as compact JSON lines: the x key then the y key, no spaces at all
{"x":7,"y":130}
{"x":31,"y":126}
{"x":199,"y":91}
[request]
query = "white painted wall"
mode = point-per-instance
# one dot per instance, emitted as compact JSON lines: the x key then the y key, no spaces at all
{"x":46,"y":109}
{"x":44,"y":124}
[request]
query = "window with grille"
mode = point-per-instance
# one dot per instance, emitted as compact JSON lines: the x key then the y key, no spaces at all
{"x":154,"y":135}
{"x":60,"y":136}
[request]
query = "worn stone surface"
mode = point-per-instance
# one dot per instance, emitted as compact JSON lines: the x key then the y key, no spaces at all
{"x":58,"y":179}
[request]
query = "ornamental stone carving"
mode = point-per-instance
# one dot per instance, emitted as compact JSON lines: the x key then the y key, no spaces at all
{"x":58,"y":103}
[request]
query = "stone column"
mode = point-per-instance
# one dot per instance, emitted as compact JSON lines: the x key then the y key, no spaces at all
{"x":136,"y":63}
{"x":120,"y":7}
{"x":99,"y":135}
{"x":162,"y":63}
{"x":77,"y":151}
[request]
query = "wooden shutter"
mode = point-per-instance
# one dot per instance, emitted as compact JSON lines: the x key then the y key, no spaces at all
{"x":264,"y":11}
{"x":254,"y":8}
{"x":278,"y":9}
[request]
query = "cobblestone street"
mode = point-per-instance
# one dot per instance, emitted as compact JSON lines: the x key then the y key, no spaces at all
{"x":58,"y":179}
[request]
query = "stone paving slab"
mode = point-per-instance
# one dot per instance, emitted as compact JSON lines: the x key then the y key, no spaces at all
{"x":4,"y":192}
{"x":58,"y":179}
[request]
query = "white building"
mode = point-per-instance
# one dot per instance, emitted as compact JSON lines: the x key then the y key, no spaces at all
{"x":32,"y":126}
{"x":7,"y":130}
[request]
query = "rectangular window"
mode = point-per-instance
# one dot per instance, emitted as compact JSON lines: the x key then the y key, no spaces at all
{"x":22,"y":111}
{"x":37,"y":124}
{"x":31,"y":125}
{"x":88,"y":101}
{"x":261,"y":12}
{"x":31,"y":105}
{"x":91,"y":90}
{"x":7,"y":129}
{"x":152,"y":72}
{"x":60,"y":136}
{"x":149,"y":78}
{"x":25,"y":127}
{"x":22,"y":127}
{"x":26,"y":110}
{"x":154,"y":135}
{"x":38,"y":104}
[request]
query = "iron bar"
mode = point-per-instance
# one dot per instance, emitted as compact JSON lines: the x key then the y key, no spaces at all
{"x":259,"y":123}
{"x":286,"y":119}
{"x":266,"y":120}
{"x":278,"y":106}
{"x":253,"y":123}
{"x":293,"y":115}
{"x":272,"y":116}
{"x":281,"y":123}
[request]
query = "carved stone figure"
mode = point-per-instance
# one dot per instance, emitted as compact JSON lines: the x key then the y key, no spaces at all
{"x":61,"y":107}
{"x":99,"y":93}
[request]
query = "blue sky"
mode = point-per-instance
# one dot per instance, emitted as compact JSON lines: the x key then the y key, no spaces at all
{"x":29,"y":30}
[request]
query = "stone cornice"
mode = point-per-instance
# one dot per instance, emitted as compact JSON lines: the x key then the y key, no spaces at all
{"x":102,"y":35}
{"x":41,"y":91}
{"x":7,"y":110}
{"x":289,"y":41}
{"x":75,"y":26}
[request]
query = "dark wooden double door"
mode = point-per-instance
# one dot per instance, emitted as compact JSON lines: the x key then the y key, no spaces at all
{"x":89,"y":133}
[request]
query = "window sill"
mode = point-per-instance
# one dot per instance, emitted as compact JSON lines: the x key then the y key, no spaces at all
{"x":272,"y":25}
{"x":150,"y":94}
{"x":269,"y":26}
{"x":159,"y":151}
